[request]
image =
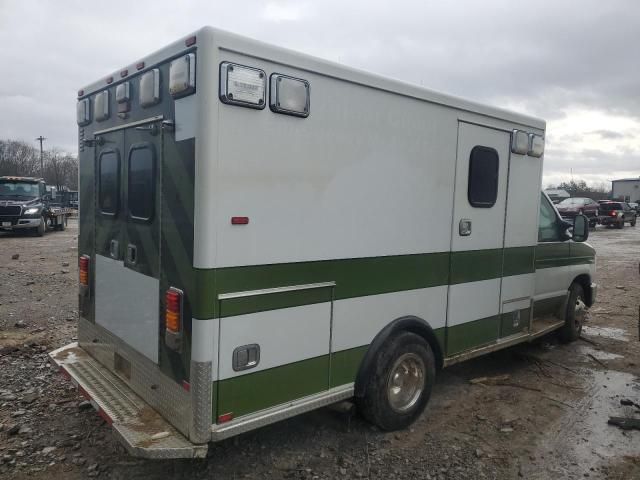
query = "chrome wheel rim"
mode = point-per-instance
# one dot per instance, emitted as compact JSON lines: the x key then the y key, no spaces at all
{"x":406,"y":382}
{"x":579,"y":313}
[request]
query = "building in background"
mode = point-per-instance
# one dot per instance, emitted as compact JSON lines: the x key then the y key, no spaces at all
{"x":626,"y":189}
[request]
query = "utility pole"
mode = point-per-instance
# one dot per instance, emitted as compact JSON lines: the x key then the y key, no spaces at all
{"x":41,"y":139}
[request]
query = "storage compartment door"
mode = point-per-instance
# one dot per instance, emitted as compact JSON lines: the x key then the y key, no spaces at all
{"x":270,"y":353}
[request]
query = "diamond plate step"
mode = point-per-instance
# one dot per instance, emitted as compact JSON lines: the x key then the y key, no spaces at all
{"x":142,"y":431}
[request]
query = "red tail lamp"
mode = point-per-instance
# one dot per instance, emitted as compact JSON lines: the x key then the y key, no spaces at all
{"x":85,"y":260}
{"x":173,"y":310}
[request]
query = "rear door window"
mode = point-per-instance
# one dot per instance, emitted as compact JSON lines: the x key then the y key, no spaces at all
{"x":482,"y":191}
{"x":109,"y":182}
{"x":141,"y":188}
{"x":608,"y":207}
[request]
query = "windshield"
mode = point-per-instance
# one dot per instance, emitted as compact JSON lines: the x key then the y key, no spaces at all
{"x":607,"y":207}
{"x":572,"y":201}
{"x":16,"y":189}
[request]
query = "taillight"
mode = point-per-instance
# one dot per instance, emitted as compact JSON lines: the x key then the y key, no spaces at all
{"x":84,"y":270}
{"x":173,"y":310}
{"x":613,"y":213}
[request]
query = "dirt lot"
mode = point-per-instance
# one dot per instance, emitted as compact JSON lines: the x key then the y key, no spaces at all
{"x":545,"y":418}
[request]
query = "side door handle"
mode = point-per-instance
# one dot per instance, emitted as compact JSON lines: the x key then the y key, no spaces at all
{"x":464,"y":227}
{"x":132,"y":254}
{"x":114,"y":251}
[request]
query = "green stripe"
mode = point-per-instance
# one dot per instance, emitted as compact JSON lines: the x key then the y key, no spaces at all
{"x":345,"y":365}
{"x":260,"y":303}
{"x":476,"y":265}
{"x":519,"y":260}
{"x":257,"y":391}
{"x":549,"y":255}
{"x":358,"y":277}
{"x":355,"y":277}
{"x":472,"y":334}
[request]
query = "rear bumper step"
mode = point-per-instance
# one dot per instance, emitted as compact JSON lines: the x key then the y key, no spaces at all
{"x":142,"y":431}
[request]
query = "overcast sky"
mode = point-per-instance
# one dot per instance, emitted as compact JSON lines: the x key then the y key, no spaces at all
{"x":575,"y":64}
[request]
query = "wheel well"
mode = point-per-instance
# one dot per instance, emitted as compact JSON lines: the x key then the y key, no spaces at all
{"x":404,"y":324}
{"x":585,"y":282}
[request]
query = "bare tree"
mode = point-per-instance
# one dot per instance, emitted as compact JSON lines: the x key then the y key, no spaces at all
{"x":21,"y":159}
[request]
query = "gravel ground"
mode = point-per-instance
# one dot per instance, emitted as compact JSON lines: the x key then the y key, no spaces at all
{"x":546,"y":418}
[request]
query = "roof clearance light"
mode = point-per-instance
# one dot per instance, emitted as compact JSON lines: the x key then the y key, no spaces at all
{"x":536,"y":145}
{"x":519,"y":142}
{"x":190,"y":41}
{"x":150,"y":88}
{"x":139,"y":65}
{"x":243,"y":86}
{"x":83,"y":111}
{"x":182,"y":76}
{"x":289,"y":95}
{"x":102,"y":105}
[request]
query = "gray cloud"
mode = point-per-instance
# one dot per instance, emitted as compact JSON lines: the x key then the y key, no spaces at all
{"x":547,"y":58}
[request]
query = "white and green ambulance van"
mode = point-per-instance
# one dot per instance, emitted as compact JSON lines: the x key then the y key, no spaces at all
{"x":263,"y":233}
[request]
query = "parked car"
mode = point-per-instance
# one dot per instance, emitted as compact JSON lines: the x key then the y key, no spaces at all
{"x":616,"y":213}
{"x":570,"y":207}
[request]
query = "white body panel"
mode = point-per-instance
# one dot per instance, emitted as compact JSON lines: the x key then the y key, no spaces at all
{"x":358,"y":320}
{"x":285,"y":336}
{"x":551,"y":282}
{"x":473,"y":301}
{"x":127,"y":305}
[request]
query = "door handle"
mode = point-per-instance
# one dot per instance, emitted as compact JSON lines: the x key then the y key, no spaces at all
{"x":113,"y":249}
{"x":132,"y":254}
{"x":464,"y":227}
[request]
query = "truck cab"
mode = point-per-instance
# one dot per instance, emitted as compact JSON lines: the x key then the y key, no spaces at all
{"x":25,"y":206}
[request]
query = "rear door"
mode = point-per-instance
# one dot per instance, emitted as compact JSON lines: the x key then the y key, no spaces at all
{"x":473,"y":316}
{"x":127,"y":235}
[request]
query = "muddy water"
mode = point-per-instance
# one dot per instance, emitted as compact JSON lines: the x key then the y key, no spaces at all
{"x":581,"y":442}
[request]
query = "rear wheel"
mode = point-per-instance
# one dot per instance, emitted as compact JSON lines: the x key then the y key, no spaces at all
{"x":620,"y":224}
{"x":575,"y":314}
{"x":400,"y":384}
{"x":633,"y":222}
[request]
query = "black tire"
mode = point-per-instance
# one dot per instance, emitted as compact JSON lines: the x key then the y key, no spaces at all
{"x":375,"y":405}
{"x":40,"y":229}
{"x":633,"y":222}
{"x":620,"y":224}
{"x":574,"y":314}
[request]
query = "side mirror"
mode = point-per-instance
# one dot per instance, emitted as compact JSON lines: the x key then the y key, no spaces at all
{"x":580,"y":228}
{"x":46,"y":197}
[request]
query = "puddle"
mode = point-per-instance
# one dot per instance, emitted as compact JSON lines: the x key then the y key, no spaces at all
{"x":607,"y":332}
{"x":599,"y":354}
{"x":582,"y":440}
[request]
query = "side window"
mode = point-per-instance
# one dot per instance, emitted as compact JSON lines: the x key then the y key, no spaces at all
{"x":109,"y":182}
{"x":141,"y":193}
{"x":482,"y":191}
{"x":548,"y":228}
